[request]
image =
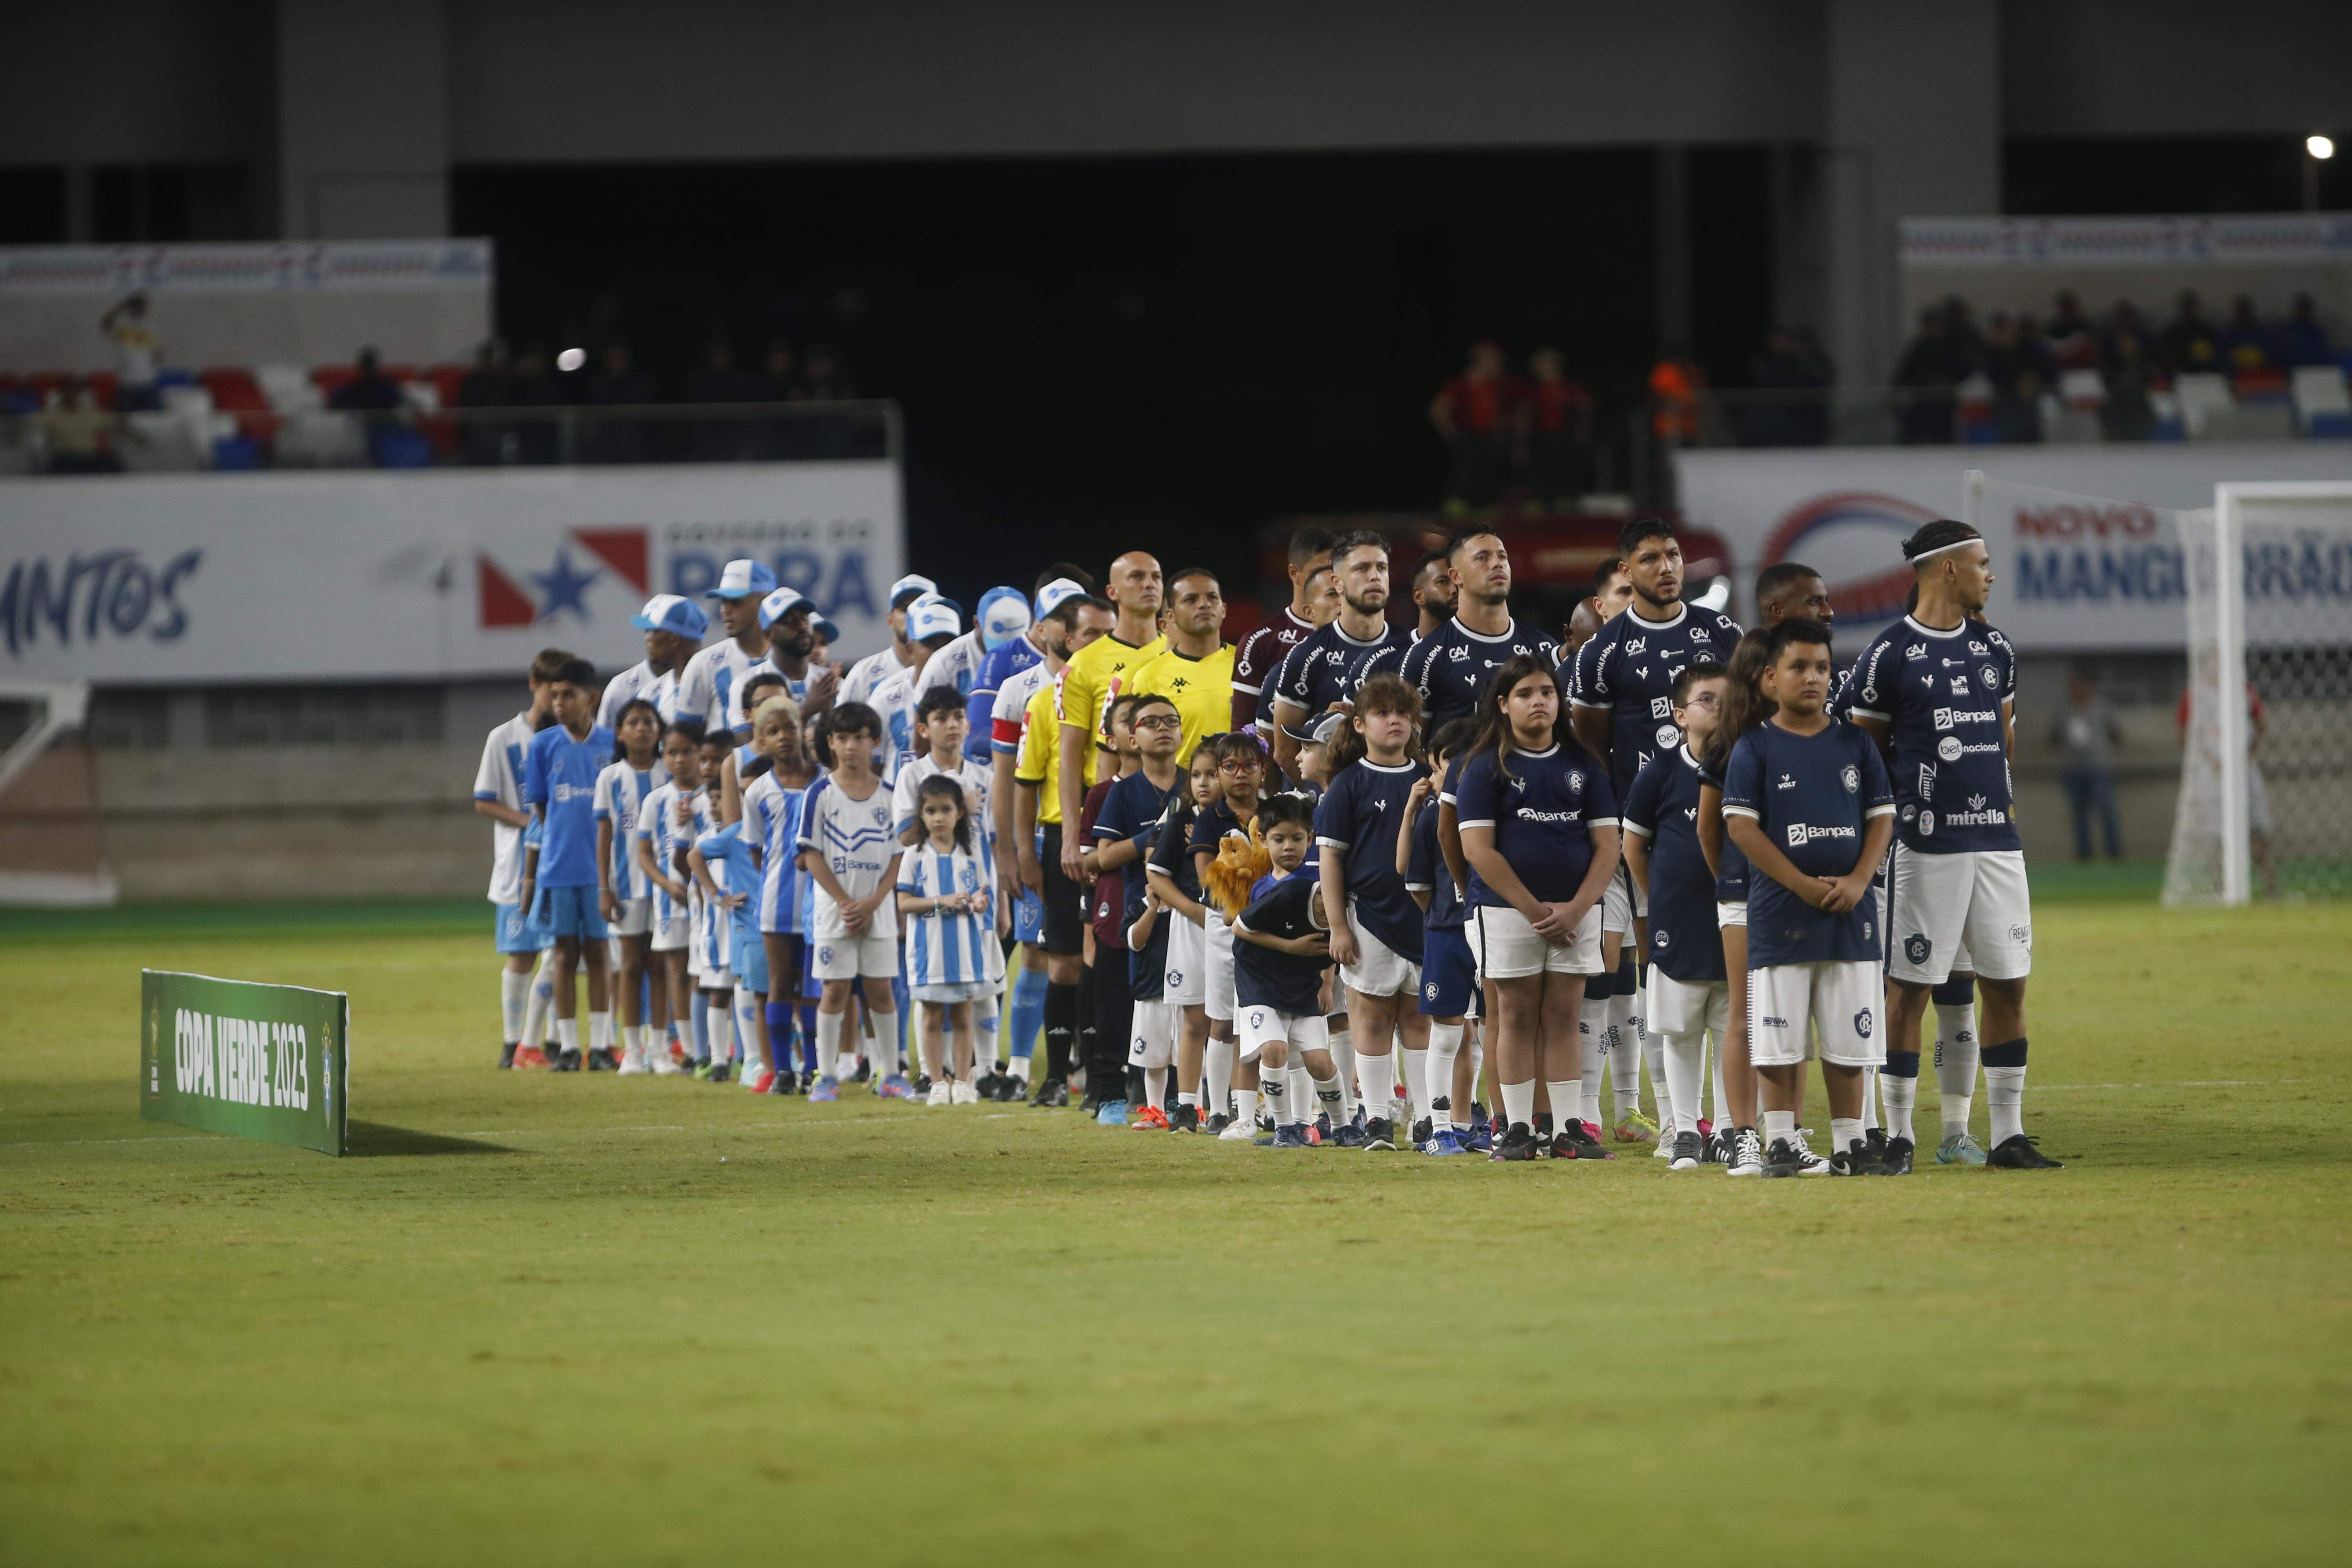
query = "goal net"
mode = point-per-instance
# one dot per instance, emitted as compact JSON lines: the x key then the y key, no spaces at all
{"x":50,"y":849}
{"x":2265,"y":777}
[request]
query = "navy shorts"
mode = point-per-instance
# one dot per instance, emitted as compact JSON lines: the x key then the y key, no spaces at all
{"x":1449,"y":976}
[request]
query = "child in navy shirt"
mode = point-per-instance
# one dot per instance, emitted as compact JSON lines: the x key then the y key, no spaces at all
{"x":1449,"y":973}
{"x":1281,"y":948}
{"x":1806,"y":799}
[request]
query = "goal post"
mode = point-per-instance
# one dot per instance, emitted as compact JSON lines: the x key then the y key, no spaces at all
{"x":51,"y":852}
{"x":2267,"y":756}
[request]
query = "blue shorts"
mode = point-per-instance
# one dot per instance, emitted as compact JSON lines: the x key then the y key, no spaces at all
{"x":570,"y":911}
{"x":1449,"y":976}
{"x":515,"y":934}
{"x":751,"y":961}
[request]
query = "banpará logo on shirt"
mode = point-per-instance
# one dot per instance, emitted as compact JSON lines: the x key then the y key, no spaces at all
{"x":1950,"y":717}
{"x":570,"y":791}
{"x":1803,"y":833}
{"x":1662,"y":707}
{"x":1551,"y":816}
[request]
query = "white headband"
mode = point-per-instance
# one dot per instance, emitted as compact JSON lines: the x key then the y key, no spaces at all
{"x":1942,"y":549}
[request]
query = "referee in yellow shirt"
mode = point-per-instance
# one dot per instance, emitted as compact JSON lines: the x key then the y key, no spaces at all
{"x":1133,"y":587}
{"x":1195,"y":671}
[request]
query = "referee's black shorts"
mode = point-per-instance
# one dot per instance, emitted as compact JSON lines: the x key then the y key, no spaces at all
{"x":1065,"y":902}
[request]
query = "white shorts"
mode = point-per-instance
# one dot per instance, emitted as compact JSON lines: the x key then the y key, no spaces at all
{"x":874,"y":955}
{"x":1184,"y":980}
{"x":671,"y":931}
{"x":950,"y":993}
{"x":1379,"y":970}
{"x":1151,"y":1038}
{"x":636,"y":918}
{"x":1728,"y":913}
{"x":1972,"y":898}
{"x":1788,"y":1004}
{"x":1508,"y":948}
{"x":1622,"y":902}
{"x":1217,"y":972}
{"x":1258,"y":1025}
{"x":714,"y":980}
{"x":1679,"y":1008}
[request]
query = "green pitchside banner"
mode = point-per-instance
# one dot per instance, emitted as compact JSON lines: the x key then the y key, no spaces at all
{"x":232,"y":1056}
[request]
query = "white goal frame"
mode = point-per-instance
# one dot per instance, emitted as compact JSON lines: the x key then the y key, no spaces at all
{"x":2230,"y":501}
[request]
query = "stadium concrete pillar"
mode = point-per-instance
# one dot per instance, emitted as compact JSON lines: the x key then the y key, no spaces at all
{"x":1913,"y":131}
{"x":362,"y":119}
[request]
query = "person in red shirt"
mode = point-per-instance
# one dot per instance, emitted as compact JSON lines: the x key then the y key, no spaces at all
{"x":1555,"y":419}
{"x":1472,"y":414}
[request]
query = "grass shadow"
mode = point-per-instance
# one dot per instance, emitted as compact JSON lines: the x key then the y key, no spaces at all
{"x":374,"y":1139}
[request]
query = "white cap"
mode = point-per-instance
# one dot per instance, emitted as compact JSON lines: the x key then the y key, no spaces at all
{"x":908,"y":587}
{"x":781,"y":603}
{"x":931,"y":615}
{"x":1004,"y":616}
{"x":744,"y":579}
{"x":1053,"y":593}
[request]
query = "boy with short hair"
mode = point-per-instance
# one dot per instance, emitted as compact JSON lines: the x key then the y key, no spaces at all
{"x":1807,"y":800}
{"x":850,"y":851}
{"x":559,"y":882}
{"x":1281,"y":948}
{"x":497,"y":795}
{"x":1688,"y":995}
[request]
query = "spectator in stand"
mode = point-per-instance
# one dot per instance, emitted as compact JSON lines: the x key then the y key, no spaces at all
{"x":535,"y":437}
{"x":2123,"y":322}
{"x":617,"y":383}
{"x":137,"y":352}
{"x":2301,"y":338}
{"x":81,"y":433}
{"x":2127,"y":415}
{"x":718,"y":381}
{"x":780,"y":381}
{"x":1555,"y":421}
{"x":369,"y":392}
{"x":831,"y":434}
{"x":2033,"y":349}
{"x":2086,"y":735}
{"x":1793,"y":366}
{"x":2072,"y":337}
{"x":1931,"y":367}
{"x":2190,"y":346}
{"x":2245,"y":341}
{"x":2017,"y":407}
{"x":489,"y":384}
{"x":1472,"y":414}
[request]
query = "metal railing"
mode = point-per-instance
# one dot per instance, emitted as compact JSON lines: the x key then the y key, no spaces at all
{"x":196,"y":438}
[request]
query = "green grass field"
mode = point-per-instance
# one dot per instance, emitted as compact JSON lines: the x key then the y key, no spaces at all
{"x":581,"y":1320}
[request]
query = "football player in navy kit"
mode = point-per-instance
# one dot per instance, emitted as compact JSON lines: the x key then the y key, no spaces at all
{"x":1936,"y":691}
{"x":1261,"y":652}
{"x":1317,"y":674}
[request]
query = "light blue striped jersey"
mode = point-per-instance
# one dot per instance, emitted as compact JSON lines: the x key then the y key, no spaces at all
{"x":945,"y":947}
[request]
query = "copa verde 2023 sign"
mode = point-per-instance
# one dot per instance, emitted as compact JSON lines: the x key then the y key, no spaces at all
{"x":235,"y":1056}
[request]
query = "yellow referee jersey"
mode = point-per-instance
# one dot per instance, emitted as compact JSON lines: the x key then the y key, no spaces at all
{"x":1202,"y":689}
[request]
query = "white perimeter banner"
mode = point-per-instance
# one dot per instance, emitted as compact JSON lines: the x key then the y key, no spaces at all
{"x":143,"y":580}
{"x":2098,"y":567}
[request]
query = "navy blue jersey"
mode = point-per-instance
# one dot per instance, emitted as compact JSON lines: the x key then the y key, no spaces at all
{"x":1732,"y":881}
{"x":1628,"y":669}
{"x":1360,"y":816}
{"x":1288,"y":983}
{"x":1213,"y":826}
{"x":1428,"y":873}
{"x":1134,"y":809}
{"x":1320,"y":670}
{"x":1812,"y":795}
{"x":1172,"y":851}
{"x":1451,"y":667}
{"x":1543,"y":815}
{"x":1663,"y":807}
{"x":558,"y":776}
{"x":1942,"y":696}
{"x":1389,"y":658}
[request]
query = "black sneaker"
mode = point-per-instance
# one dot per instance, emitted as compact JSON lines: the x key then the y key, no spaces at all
{"x":506,"y":1054}
{"x":1379,"y":1133}
{"x":1348,"y":1136}
{"x":604,"y":1060}
{"x":1543,"y":1127}
{"x":1687,"y":1152}
{"x":780,"y":1083}
{"x":1053,"y":1097}
{"x":1573,"y":1142}
{"x":1854,"y":1160}
{"x":1479,"y":1121}
{"x":1517,"y":1143}
{"x":1323,"y":1134}
{"x":1423,"y":1131}
{"x":1216,"y":1125}
{"x":1897,"y":1158}
{"x":2018,"y":1153}
{"x":922,"y":1085}
{"x":1011,"y":1089}
{"x":1876,"y":1137}
{"x":864,"y":1070}
{"x":1783,"y":1159}
{"x":1089,"y":1107}
{"x":567,"y":1061}
{"x":718,"y":1072}
{"x":1184,"y":1119}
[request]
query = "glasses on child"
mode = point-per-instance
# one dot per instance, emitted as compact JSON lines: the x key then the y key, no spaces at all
{"x":1703,"y":700}
{"x":1240,"y":766}
{"x":1160,"y":721}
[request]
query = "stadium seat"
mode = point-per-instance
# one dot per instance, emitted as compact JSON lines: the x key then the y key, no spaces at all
{"x":289,"y":388}
{"x":157,"y":442}
{"x":331,"y":379}
{"x":2322,"y":406}
{"x":421,"y":395}
{"x":398,"y":447}
{"x":2203,"y":395}
{"x":2264,"y":385}
{"x":2083,"y":390}
{"x":2169,"y":424}
{"x":235,"y":454}
{"x":446,"y":380}
{"x":320,"y":439}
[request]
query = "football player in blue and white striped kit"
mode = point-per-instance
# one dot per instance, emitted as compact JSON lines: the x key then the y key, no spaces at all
{"x":621,"y":792}
{"x":771,"y":818}
{"x":659,"y":833}
{"x":674,"y":630}
{"x":946,"y":892}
